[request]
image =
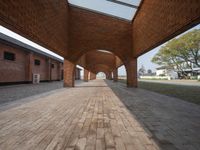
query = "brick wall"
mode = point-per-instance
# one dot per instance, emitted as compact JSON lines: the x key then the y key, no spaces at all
{"x":158,"y":21}
{"x":12,"y":71}
{"x":92,"y":31}
{"x":55,"y":71}
{"x":41,"y":69}
{"x":19,"y":69}
{"x":42,"y":21}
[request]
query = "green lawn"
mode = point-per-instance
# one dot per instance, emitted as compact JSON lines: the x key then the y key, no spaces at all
{"x":187,"y":93}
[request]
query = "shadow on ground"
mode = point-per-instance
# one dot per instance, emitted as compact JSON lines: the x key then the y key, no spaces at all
{"x":172,"y":123}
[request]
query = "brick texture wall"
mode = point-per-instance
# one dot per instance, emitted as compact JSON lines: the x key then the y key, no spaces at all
{"x":19,"y":69}
{"x":43,"y":21}
{"x":55,"y":72}
{"x":92,"y":31}
{"x":157,"y":21}
{"x":12,"y":71}
{"x":42,"y":68}
{"x":69,"y":72}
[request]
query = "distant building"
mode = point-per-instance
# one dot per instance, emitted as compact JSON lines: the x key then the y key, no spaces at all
{"x":166,"y":71}
{"x":174,"y":73}
{"x":190,"y":69}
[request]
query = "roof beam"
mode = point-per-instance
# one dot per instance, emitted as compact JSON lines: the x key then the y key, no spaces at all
{"x":123,"y":3}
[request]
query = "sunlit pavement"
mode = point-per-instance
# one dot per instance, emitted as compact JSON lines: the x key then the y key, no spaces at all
{"x":101,"y":115}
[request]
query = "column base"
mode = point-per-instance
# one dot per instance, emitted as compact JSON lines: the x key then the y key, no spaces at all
{"x":131,"y":68}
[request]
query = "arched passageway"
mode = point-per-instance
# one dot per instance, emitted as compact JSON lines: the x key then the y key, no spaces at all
{"x":95,"y":61}
{"x":101,"y":75}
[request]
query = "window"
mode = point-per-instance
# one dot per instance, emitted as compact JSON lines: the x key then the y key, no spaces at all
{"x":9,"y":56}
{"x":37,"y":62}
{"x":52,"y":65}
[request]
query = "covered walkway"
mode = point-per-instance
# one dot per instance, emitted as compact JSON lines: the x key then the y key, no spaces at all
{"x":101,"y":115}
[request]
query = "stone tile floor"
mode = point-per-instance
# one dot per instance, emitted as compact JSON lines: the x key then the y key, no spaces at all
{"x":101,"y":115}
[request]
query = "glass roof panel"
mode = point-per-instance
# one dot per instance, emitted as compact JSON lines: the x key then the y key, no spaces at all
{"x":108,"y":7}
{"x":132,"y":2}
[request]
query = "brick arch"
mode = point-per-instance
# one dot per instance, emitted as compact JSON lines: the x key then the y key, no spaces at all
{"x":106,"y":74}
{"x":96,"y":61}
{"x":95,"y":57}
{"x":92,"y":31}
{"x":77,"y":57}
{"x":99,"y":57}
{"x":100,"y":68}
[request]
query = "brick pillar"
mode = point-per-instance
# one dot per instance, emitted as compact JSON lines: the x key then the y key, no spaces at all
{"x":92,"y":76}
{"x":68,"y":70}
{"x":115,"y":75}
{"x":131,"y":69}
{"x":86,"y":75}
{"x":109,"y":76}
{"x":29,"y":67}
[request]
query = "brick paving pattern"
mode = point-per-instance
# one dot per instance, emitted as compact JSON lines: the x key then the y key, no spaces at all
{"x":100,"y":115}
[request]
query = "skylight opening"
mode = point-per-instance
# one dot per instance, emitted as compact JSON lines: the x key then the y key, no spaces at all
{"x":104,"y":51}
{"x":123,"y":9}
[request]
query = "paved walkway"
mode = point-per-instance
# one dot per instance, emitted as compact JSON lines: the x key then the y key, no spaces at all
{"x":101,"y":115}
{"x":16,"y":92}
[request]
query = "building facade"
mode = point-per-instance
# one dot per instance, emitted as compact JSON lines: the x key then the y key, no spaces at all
{"x":166,"y":71}
{"x":20,"y":62}
{"x":17,"y":65}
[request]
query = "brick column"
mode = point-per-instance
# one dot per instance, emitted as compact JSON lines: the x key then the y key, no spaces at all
{"x":92,"y":76}
{"x":29,"y":67}
{"x":115,"y":75}
{"x":86,"y":75}
{"x":68,"y":70}
{"x":131,"y":69}
{"x":109,"y":76}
